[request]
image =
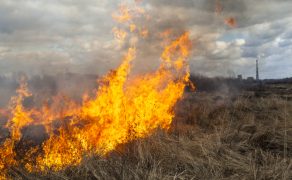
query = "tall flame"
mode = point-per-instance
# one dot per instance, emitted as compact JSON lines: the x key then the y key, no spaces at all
{"x":123,"y":109}
{"x":19,"y":119}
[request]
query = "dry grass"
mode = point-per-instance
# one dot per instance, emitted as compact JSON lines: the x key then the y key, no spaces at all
{"x":213,"y":137}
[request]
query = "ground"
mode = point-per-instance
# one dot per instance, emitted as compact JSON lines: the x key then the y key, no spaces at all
{"x":243,"y":134}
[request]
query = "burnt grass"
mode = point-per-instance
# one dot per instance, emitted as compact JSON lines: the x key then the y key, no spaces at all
{"x":241,"y":133}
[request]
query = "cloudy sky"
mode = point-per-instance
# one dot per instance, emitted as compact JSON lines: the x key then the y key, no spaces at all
{"x":53,"y":36}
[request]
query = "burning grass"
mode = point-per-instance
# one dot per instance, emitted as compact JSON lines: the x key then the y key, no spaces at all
{"x":124,"y":108}
{"x":138,"y":126}
{"x":212,"y":137}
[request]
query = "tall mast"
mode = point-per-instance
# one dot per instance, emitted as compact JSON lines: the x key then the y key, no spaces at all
{"x":257,"y":70}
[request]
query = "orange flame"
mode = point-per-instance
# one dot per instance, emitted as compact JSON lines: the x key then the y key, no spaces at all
{"x":123,"y":15}
{"x":132,"y":27}
{"x":19,"y":119}
{"x":123,"y":109}
{"x":120,"y":35}
{"x":144,"y":33}
{"x":231,"y":22}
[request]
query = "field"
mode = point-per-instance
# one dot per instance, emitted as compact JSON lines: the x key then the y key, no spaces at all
{"x":243,"y":134}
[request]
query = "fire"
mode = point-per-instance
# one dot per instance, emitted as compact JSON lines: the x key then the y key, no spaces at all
{"x":132,"y":27}
{"x":120,"y":35}
{"x":123,"y":15}
{"x":166,"y":34}
{"x":144,"y":33}
{"x":231,"y":22}
{"x":125,"y":107}
{"x":20,"y":117}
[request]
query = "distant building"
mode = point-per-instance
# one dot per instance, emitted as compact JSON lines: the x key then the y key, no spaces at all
{"x":239,"y":77}
{"x":250,"y":79}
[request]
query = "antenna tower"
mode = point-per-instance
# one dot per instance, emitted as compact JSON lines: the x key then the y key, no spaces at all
{"x":257,"y":69}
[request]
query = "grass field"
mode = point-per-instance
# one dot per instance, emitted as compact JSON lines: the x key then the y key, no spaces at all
{"x":219,"y":135}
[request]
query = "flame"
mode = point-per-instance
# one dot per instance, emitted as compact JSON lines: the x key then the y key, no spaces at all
{"x":165,"y":34}
{"x":7,"y":157}
{"x":125,"y":107}
{"x":20,"y":117}
{"x":60,"y":107}
{"x":123,"y":14}
{"x":132,"y":27}
{"x":120,"y":35}
{"x":144,"y":33}
{"x":231,"y":22}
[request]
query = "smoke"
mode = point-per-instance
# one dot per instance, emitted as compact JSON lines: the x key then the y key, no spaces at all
{"x":205,"y":26}
{"x":79,"y":39}
{"x":61,"y":36}
{"x":44,"y":87}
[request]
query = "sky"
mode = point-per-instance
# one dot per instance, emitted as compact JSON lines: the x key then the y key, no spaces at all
{"x":49,"y":37}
